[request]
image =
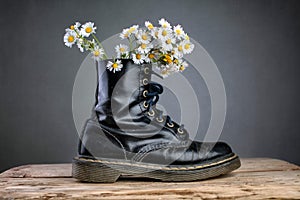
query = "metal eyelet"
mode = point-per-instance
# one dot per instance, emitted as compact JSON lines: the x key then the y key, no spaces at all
{"x":145,"y":81}
{"x":146,"y":70}
{"x":170,"y":125}
{"x":145,"y":104}
{"x":145,"y":93}
{"x":180,"y":131}
{"x":159,"y":120}
{"x":151,"y":113}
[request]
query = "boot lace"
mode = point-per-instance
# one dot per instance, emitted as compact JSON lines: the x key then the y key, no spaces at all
{"x":151,"y":95}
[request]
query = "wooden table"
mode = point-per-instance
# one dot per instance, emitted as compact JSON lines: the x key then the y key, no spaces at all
{"x":258,"y":178}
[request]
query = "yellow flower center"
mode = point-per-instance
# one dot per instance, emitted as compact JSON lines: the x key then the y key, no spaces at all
{"x":176,"y":61}
{"x":131,"y":29}
{"x":88,"y":29}
{"x":187,"y":46}
{"x":181,"y":68}
{"x":96,"y":53}
{"x":144,"y":46}
{"x":180,"y":48}
{"x":122,"y":49}
{"x":167,"y":57}
{"x":138,"y":56}
{"x":178,"y":31}
{"x":150,"y":26}
{"x":164,"y":33}
{"x":71,"y":38}
{"x":187,"y":37}
{"x":144,"y":37}
{"x":151,"y":55}
{"x":164,"y":25}
{"x":115,"y":65}
{"x":168,"y":41}
{"x":72,"y":27}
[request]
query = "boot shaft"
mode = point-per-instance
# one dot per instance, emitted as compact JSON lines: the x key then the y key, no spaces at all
{"x":119,"y":94}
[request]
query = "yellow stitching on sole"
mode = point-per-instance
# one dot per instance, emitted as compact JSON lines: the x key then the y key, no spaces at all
{"x":161,"y":168}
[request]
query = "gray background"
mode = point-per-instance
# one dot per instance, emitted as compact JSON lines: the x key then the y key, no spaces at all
{"x":255,"y":45}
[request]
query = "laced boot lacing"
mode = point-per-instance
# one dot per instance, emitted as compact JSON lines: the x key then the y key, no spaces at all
{"x":151,"y":95}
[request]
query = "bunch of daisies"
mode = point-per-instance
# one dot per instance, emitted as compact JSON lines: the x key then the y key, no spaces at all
{"x":80,"y":35}
{"x":163,"y":45}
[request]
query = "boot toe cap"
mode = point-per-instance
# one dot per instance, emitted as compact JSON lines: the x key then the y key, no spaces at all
{"x":221,"y":149}
{"x":210,"y":151}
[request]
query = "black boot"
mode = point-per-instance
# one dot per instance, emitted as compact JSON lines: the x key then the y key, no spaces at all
{"x":128,"y":135}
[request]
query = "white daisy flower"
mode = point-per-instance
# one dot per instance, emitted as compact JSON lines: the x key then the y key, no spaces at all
{"x":178,"y":31}
{"x":177,"y":62}
{"x":70,"y":38}
{"x":74,"y":27}
{"x":179,"y":46}
{"x":114,"y":66}
{"x":149,"y":57}
{"x":87,"y":29}
{"x":97,"y":53}
{"x":125,"y":34}
{"x":143,"y":37}
{"x":121,"y":50}
{"x":188,"y":47}
{"x":172,"y":67}
{"x":177,"y":54}
{"x":186,"y":37}
{"x":168,"y":69}
{"x":80,"y":44}
{"x":154,"y":32}
{"x":164,"y":71}
{"x":138,"y":58}
{"x":178,"y":50}
{"x":183,"y":65}
{"x":144,"y":48}
{"x":133,"y":29}
{"x":149,"y":25}
{"x":164,"y":24}
{"x":77,"y":25}
{"x":167,"y":44}
{"x":163,"y":33}
{"x":69,"y":30}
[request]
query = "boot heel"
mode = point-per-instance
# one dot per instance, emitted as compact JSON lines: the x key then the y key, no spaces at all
{"x":88,"y":171}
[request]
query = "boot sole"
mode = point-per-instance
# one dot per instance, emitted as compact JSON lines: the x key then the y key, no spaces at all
{"x":108,"y":170}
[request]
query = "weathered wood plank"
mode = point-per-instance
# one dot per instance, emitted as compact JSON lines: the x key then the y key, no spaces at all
{"x":265,"y":164}
{"x":257,"y":179}
{"x":38,"y":171}
{"x":64,"y":170}
{"x":252,"y":185}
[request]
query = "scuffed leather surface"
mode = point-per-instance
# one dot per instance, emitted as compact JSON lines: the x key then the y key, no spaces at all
{"x":121,"y":128}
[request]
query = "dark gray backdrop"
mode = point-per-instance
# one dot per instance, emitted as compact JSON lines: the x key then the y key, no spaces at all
{"x":255,"y":44}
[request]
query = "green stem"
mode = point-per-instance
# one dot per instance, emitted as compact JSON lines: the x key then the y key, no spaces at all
{"x":105,"y":56}
{"x":130,"y":44}
{"x":81,"y":37}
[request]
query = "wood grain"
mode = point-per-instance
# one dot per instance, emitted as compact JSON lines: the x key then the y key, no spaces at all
{"x":258,"y":178}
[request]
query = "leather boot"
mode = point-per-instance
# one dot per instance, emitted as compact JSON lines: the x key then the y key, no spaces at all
{"x":128,"y":135}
